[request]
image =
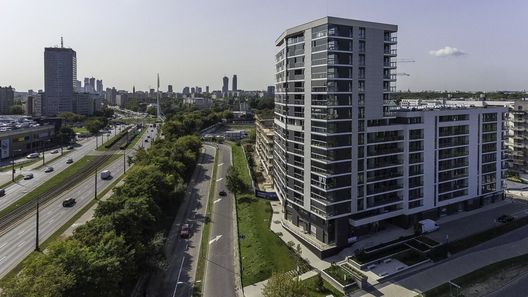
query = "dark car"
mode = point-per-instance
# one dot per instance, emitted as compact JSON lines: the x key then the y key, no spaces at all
{"x":505,"y":219}
{"x":185,"y":231}
{"x":70,"y":147}
{"x":222,"y":193}
{"x":69,"y":161}
{"x":2,"y":192}
{"x":69,"y":202}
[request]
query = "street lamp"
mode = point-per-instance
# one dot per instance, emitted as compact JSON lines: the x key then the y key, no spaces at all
{"x":37,"y":226}
{"x":13,"y":163}
{"x":95,"y":183}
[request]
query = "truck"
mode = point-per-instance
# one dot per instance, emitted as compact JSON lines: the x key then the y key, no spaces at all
{"x":105,"y":174}
{"x":426,"y":226}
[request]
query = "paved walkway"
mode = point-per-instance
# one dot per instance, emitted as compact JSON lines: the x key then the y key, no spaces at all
{"x":255,"y":290}
{"x":451,"y":269}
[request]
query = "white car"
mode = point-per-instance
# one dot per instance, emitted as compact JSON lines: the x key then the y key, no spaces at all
{"x":32,"y":156}
{"x":54,"y":152}
{"x":28,"y":176}
{"x":48,"y":169}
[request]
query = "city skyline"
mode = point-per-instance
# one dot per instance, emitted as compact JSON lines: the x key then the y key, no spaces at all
{"x":131,"y":49}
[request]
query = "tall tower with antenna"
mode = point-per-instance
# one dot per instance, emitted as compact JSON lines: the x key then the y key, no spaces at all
{"x":158,"y":110}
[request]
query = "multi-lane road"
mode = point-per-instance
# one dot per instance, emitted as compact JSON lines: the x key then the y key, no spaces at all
{"x":18,"y":242}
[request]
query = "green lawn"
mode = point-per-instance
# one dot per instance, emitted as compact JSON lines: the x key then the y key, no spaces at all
{"x":21,"y":163}
{"x":261,"y":251}
{"x":311,"y":285}
{"x":80,"y":130}
{"x":102,"y":146}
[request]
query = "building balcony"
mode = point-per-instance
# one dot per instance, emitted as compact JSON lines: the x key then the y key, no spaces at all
{"x":391,"y":53}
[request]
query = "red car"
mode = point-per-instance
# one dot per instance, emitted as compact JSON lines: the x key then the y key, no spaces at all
{"x":185,"y":231}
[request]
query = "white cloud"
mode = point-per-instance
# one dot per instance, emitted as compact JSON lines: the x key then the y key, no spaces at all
{"x":447,"y":51}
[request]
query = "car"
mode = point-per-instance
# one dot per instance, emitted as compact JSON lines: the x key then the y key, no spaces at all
{"x":185,"y":231}
{"x":48,"y":169}
{"x":505,"y":218}
{"x":28,"y":176}
{"x":146,"y":140}
{"x":54,"y":152}
{"x":70,"y":147}
{"x":222,"y":193}
{"x":69,"y":202}
{"x":69,"y":161}
{"x":2,"y":192}
{"x":32,"y":156}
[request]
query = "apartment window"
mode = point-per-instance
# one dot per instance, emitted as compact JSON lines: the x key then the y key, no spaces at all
{"x":362,"y":46}
{"x":361,"y":73}
{"x":361,"y":99}
{"x":362,"y":32}
{"x":361,"y":60}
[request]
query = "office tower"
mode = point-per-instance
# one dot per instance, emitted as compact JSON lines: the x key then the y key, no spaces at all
{"x":86,"y":84}
{"x":198,"y":90}
{"x":193,"y":90}
{"x":271,"y":91}
{"x":110,"y":96}
{"x":60,"y":78}
{"x":234,"y":83}
{"x":185,"y":91}
{"x":78,"y":86}
{"x":207,"y":89}
{"x":133,"y":89}
{"x":169,"y":88}
{"x":92,"y":85}
{"x":99,"y":86}
{"x":347,"y":161}
{"x":7,"y":99}
{"x":225,"y":86}
{"x":121,"y":99}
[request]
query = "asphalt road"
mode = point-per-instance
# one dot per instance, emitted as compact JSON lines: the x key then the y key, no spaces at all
{"x":182,"y":254}
{"x":16,"y":244}
{"x":220,"y":269}
{"x":22,"y":187}
{"x":516,"y":288}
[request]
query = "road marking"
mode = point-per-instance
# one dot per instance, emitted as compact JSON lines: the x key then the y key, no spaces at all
{"x":1,"y":246}
{"x":219,"y":179}
{"x":215,"y":239}
{"x":178,"y":280}
{"x":20,"y":244}
{"x":220,"y":164}
{"x":217,"y":200}
{"x":2,"y":259}
{"x":22,"y":232}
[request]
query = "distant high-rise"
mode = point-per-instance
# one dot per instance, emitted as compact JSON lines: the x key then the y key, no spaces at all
{"x":60,"y":77}
{"x":225,"y":86}
{"x":133,"y":89}
{"x":185,"y":91}
{"x":271,"y":91}
{"x":7,"y":96}
{"x":235,"y":83}
{"x":169,"y":89}
{"x":193,"y":90}
{"x":86,"y":83}
{"x":92,"y":83}
{"x":100,"y":86}
{"x":207,"y":89}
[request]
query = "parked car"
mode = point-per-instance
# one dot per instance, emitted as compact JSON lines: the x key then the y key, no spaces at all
{"x":48,"y":169}
{"x":32,"y":156}
{"x":70,"y":147}
{"x":69,"y":202}
{"x":426,"y":226}
{"x":222,"y":193}
{"x":505,"y":218}
{"x":54,"y":152}
{"x":185,"y":231}
{"x":69,"y":161}
{"x":2,"y":192}
{"x":28,"y":176}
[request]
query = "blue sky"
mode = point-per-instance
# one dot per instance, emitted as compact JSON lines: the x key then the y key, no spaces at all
{"x":196,"y":42}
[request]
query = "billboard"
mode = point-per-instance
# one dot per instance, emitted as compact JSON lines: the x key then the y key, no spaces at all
{"x":266,"y":195}
{"x":5,"y":148}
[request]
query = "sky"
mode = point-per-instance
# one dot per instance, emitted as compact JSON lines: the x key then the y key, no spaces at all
{"x":456,"y":45}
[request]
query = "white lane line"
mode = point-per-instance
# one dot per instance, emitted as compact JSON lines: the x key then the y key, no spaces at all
{"x":220,"y":164}
{"x":22,"y":232}
{"x":1,"y":246}
{"x":219,"y":179}
{"x":215,"y":239}
{"x":217,"y":200}
{"x":21,"y":244}
{"x":2,"y":259}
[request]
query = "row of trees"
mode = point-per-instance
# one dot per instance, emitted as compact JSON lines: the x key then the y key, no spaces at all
{"x":124,"y":240}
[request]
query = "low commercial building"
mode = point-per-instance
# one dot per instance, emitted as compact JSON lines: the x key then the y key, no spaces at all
{"x":24,"y":141}
{"x":198,"y":102}
{"x":264,"y":142}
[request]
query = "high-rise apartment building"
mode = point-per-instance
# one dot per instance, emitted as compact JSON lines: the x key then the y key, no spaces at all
{"x":169,"y":88}
{"x":235,"y":87}
{"x":347,"y":161}
{"x":60,"y":79}
{"x":99,"y":88}
{"x":225,"y":85}
{"x":7,"y":99}
{"x":207,"y":89}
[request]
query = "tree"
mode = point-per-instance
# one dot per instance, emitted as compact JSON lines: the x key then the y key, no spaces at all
{"x":70,"y":117}
{"x":235,"y":183}
{"x":152,"y":110}
{"x":16,"y":109}
{"x":66,"y":134}
{"x":94,"y":125}
{"x":283,"y":285}
{"x":319,"y":283}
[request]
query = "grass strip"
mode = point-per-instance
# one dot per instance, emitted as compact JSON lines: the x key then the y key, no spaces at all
{"x":52,"y":182}
{"x":313,"y":290}
{"x":21,"y":163}
{"x":17,"y":178}
{"x":56,"y":235}
{"x":262,"y":252}
{"x":204,"y":245}
{"x":112,"y":140}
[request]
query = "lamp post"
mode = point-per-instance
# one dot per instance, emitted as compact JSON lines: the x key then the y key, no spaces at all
{"x":95,"y":183}
{"x":124,"y":160}
{"x":13,"y":163}
{"x":37,"y":226}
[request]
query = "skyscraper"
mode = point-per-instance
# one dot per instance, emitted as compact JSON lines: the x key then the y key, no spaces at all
{"x":207,"y":89}
{"x":100,"y":86}
{"x":225,"y":86}
{"x":169,"y":88}
{"x":347,"y":161}
{"x":60,"y":78}
{"x":234,"y":83}
{"x":7,"y":96}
